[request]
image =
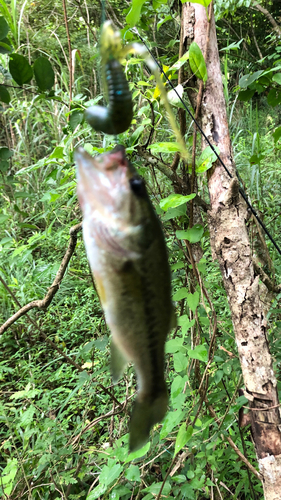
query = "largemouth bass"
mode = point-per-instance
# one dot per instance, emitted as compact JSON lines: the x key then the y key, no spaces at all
{"x":128,"y":258}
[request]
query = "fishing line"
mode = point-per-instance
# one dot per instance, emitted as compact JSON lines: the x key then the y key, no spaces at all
{"x":241,"y":191}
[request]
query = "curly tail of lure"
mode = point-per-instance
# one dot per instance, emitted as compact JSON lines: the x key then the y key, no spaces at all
{"x":117,"y":116}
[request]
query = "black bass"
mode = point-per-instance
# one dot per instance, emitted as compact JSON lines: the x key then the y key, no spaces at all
{"x":127,"y":254}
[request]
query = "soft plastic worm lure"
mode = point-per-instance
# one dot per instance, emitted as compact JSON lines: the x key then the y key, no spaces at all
{"x":117,"y":116}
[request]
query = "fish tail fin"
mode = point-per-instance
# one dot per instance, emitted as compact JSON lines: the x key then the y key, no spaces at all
{"x":147,"y":411}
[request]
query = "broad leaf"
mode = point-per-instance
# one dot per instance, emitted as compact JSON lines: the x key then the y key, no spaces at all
{"x":276,"y":134}
{"x":199,"y":352}
{"x":274,"y":97}
{"x":193,"y":234}
{"x":4,"y":28}
{"x":165,"y":147}
{"x":138,"y":453}
{"x":197,"y":62}
{"x":183,"y":437}
{"x":175,"y":200}
{"x":4,"y":95}
{"x":97,"y":492}
{"x":205,"y":3}
{"x":134,"y":12}
{"x":133,"y":473}
{"x":206,"y":159}
{"x":5,"y":153}
{"x":155,"y":487}
{"x":246,"y":80}
{"x":44,"y":73}
{"x":180,"y":361}
{"x":193,"y":300}
{"x":8,"y":475}
{"x":75,"y":119}
{"x":245,"y":95}
{"x":20,"y":69}
{"x":180,"y":294}
{"x":277,"y":78}
{"x":110,"y":473}
{"x":5,"y":47}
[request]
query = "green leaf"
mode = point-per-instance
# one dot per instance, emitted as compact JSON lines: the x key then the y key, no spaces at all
{"x":175,"y":200}
{"x":27,"y":416}
{"x":173,"y":345}
{"x":180,"y":294}
{"x":193,"y":234}
{"x":3,"y":218}
{"x":44,"y":73}
{"x":274,"y":97}
{"x":180,"y":361}
{"x":166,"y":18}
{"x":134,"y":12}
{"x":4,"y":28}
{"x":276,"y":134}
{"x":197,"y":62}
{"x":154,"y":488}
{"x":165,"y":147}
{"x":110,"y":473}
{"x":8,"y":475}
{"x":180,"y":62}
{"x":199,"y":352}
{"x":139,"y":453}
{"x":183,"y":437}
{"x":277,"y":78}
{"x":4,"y":95}
{"x":97,"y":492}
{"x":133,"y":473}
{"x":185,"y":323}
{"x":5,"y":153}
{"x":171,"y":420}
{"x":245,"y":95}
{"x":175,"y":212}
{"x":205,"y":3}
{"x":5,"y":47}
{"x":75,"y":119}
{"x":20,"y":69}
{"x":57,"y":153}
{"x":193,"y":300}
{"x":246,"y":80}
{"x":206,"y":159}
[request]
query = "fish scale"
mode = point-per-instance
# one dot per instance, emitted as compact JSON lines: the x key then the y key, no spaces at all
{"x":128,"y":258}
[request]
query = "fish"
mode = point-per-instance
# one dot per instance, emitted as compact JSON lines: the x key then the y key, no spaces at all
{"x":126,"y":250}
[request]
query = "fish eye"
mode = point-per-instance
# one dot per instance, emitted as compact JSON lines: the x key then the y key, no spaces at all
{"x":138,"y":186}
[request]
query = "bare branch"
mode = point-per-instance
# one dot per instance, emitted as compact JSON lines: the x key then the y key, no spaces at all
{"x":44,"y":303}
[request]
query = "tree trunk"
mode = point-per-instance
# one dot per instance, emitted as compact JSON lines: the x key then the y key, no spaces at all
{"x":231,"y":247}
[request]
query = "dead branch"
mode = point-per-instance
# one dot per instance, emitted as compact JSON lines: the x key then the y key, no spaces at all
{"x":45,"y":302}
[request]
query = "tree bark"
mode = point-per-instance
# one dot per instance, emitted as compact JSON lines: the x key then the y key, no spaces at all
{"x":231,"y":247}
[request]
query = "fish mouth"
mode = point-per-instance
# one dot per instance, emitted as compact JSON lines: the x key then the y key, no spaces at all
{"x":103,"y":180}
{"x":104,"y":162}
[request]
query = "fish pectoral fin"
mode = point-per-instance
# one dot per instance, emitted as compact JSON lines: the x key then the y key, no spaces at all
{"x":111,"y":242}
{"x":146,"y":413}
{"x":118,"y":362}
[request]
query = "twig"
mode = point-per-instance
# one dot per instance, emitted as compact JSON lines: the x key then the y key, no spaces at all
{"x":44,"y":303}
{"x":69,"y":51}
{"x":198,"y":107}
{"x":98,"y":419}
{"x":233,"y":445}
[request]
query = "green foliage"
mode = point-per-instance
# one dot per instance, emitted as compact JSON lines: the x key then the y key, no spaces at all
{"x":197,"y":62}
{"x":62,"y":434}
